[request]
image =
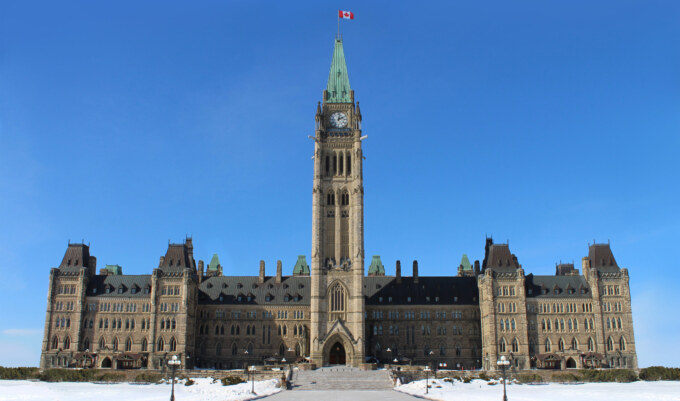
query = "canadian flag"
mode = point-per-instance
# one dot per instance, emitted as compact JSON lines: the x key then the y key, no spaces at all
{"x":345,"y":14}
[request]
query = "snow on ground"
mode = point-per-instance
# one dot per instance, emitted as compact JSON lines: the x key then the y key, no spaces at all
{"x":479,"y":390}
{"x":203,"y":390}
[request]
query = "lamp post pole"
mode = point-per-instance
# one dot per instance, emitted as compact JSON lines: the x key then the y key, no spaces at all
{"x":503,"y":364}
{"x":174,"y":362}
{"x":427,"y":376}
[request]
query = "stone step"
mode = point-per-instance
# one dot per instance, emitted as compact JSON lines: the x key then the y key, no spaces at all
{"x":341,"y":378}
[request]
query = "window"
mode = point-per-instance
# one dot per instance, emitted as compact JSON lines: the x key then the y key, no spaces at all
{"x":128,"y":345}
{"x":515,"y":345}
{"x":560,"y":345}
{"x":574,"y":344}
{"x":610,"y":344}
{"x":501,"y":347}
{"x":67,"y":343}
{"x":173,"y":345}
{"x":234,"y":350}
{"x":337,"y":294}
{"x":622,"y":342}
{"x":115,"y":344}
{"x":102,"y":343}
{"x":145,"y":345}
{"x":218,"y":349}
{"x":161,"y":344}
{"x":547,"y":345}
{"x":591,"y":344}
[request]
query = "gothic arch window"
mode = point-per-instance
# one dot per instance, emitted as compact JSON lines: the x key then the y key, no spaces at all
{"x":55,"y":342}
{"x":250,"y":349}
{"x":161,"y":344}
{"x":115,"y":344}
{"x":622,"y":344}
{"x":247,"y":330}
{"x":330,"y":199}
{"x":145,"y":344}
{"x":543,"y":324}
{"x":86,"y":344}
{"x":610,"y":344}
{"x":442,"y":350}
{"x":502,"y":325}
{"x":218,"y":349}
{"x":592,"y":324}
{"x":575,"y":325}
{"x":345,"y":198}
{"x":515,"y":345}
{"x":591,"y":344}
{"x":548,"y":346}
{"x":173,"y":344}
{"x":234,"y":349}
{"x":427,"y":350}
{"x":102,"y":343}
{"x":574,"y":344}
{"x":502,"y":347}
{"x":252,"y":330}
{"x":67,"y":342}
{"x":238,"y":330}
{"x":560,"y":345}
{"x":297,"y":349}
{"x":282,"y":350}
{"x":349,"y":163}
{"x":618,"y":321}
{"x":338,"y":297}
{"x":532,"y":346}
{"x":570,"y":325}
{"x":513,"y":324}
{"x":549,"y":325}
{"x":128,"y":345}
{"x":459,"y":350}
{"x":609,"y":324}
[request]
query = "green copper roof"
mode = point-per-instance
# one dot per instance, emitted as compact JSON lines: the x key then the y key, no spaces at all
{"x":301,"y":266}
{"x":214,"y":262}
{"x":114,"y":269}
{"x":376,"y":268}
{"x":338,"y":80}
{"x":465,"y":262}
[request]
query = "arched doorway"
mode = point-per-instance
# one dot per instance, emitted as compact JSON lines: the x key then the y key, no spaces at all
{"x":337,"y":354}
{"x":106,"y":363}
{"x":571,"y":364}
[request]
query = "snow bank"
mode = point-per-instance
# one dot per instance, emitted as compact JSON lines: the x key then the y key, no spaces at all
{"x":480,"y":390}
{"x":203,"y":390}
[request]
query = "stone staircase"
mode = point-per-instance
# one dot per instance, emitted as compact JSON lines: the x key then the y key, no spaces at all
{"x":341,"y":378}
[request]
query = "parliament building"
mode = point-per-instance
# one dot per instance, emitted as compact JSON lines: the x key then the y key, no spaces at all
{"x":330,"y":310}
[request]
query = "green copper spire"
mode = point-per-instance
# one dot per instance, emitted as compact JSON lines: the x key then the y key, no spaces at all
{"x":301,"y":267}
{"x":465,"y":262}
{"x":214,"y":263}
{"x":376,"y":268}
{"x":338,"y":90}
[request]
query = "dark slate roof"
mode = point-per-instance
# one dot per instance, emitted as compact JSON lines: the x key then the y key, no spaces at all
{"x":500,"y":257}
{"x":77,"y":256}
{"x":114,"y":282}
{"x":230,"y":287}
{"x":602,"y":258}
{"x":563,"y":285}
{"x":178,"y":257}
{"x":445,"y":288}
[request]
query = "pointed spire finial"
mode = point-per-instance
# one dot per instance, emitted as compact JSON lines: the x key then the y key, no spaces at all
{"x":338,"y":89}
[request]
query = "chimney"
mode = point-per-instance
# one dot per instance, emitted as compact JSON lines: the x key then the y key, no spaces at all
{"x":398,"y":272}
{"x":415,"y":271}
{"x":278,"y":272}
{"x":160,"y":264}
{"x":200,"y":271}
{"x":261,"y":279}
{"x":476,"y":267}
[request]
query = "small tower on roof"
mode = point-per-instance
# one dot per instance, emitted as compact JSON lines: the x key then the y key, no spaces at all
{"x":465,"y":268}
{"x":214,"y":267}
{"x":376,"y":268}
{"x":301,"y":267}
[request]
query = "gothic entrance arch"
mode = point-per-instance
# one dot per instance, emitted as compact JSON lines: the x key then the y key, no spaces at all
{"x":337,"y":355}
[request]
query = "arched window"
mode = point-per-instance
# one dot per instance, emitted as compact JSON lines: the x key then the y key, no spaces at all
{"x":102,"y":343}
{"x":252,"y":330}
{"x":543,"y":324}
{"x":161,"y":344}
{"x":502,"y":325}
{"x":338,"y":296}
{"x":282,"y":350}
{"x":234,"y":349}
{"x":217,"y":330}
{"x":67,"y":343}
{"x":285,"y":330}
{"x":515,"y":345}
{"x":561,"y":324}
{"x":592,"y":324}
{"x":618,"y":321}
{"x":427,"y":350}
{"x":532,"y":346}
{"x":591,"y":344}
{"x":295,"y":333}
{"x":574,"y":343}
{"x":173,"y":344}
{"x":622,"y":344}
{"x":233,"y":329}
{"x":128,"y":344}
{"x":610,"y":344}
{"x":297,"y":349}
{"x":575,"y":325}
{"x":512,"y":322}
{"x":570,"y":326}
{"x":115,"y":344}
{"x":248,"y":330}
{"x":218,"y":349}
{"x":86,"y":344}
{"x":55,"y":342}
{"x":238,"y":330}
{"x":560,"y":345}
{"x":547,"y":345}
{"x":250,"y":349}
{"x":501,"y":347}
{"x":459,"y":350}
{"x":609,"y":324}
{"x":330,"y":199}
{"x":549,"y":325}
{"x":145,"y":344}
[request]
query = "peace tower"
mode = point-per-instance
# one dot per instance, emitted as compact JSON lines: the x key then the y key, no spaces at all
{"x":337,"y":300}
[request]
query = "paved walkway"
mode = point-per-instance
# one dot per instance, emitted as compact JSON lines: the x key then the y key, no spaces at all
{"x":341,"y":383}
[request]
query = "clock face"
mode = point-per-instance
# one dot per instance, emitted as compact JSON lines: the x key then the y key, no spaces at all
{"x":339,"y":120}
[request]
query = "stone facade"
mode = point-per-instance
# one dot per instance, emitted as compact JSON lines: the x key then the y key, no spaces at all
{"x":334,"y":313}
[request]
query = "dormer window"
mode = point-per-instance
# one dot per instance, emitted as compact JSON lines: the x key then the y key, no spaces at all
{"x":224,"y":285}
{"x":133,"y":290}
{"x":408,"y":299}
{"x":68,"y":263}
{"x":286,"y":298}
{"x":297,"y":297}
{"x":427,"y":299}
{"x":121,"y":289}
{"x":455,"y":299}
{"x":94,"y":290}
{"x":301,"y":286}
{"x":147,"y":289}
{"x":380,"y":299}
{"x":556,"y":291}
{"x":530,"y":291}
{"x":239,"y":298}
{"x":239,"y":285}
{"x":108,"y":289}
{"x":221,"y":298}
{"x":268,"y":298}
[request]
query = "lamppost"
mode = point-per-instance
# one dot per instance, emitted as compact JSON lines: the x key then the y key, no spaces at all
{"x":174,"y":362}
{"x":390,"y":353}
{"x":434,"y":367}
{"x":503,"y":364}
{"x":427,"y":376}
{"x":249,"y":376}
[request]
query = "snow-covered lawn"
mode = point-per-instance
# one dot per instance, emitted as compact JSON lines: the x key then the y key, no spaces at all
{"x":479,"y":390}
{"x":203,"y":390}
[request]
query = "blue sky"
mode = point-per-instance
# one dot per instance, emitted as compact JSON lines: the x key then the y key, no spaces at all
{"x":545,"y":124}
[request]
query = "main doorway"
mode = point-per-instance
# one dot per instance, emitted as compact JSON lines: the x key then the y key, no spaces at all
{"x":337,"y":355}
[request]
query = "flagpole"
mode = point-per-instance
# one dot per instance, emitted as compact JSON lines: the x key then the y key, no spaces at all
{"x":338,"y":26}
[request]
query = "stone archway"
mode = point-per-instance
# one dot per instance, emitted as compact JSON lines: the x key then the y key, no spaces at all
{"x":106,"y":363}
{"x":571,"y":363}
{"x":337,"y":355}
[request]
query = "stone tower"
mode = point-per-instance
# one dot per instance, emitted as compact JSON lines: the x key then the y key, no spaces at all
{"x":337,"y":301}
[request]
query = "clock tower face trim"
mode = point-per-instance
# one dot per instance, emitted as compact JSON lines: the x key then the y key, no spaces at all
{"x":338,"y":120}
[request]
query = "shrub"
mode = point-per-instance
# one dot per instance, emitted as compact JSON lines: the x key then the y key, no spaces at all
{"x":529,"y":378}
{"x":111,"y":377}
{"x":67,"y":375}
{"x":566,"y":378}
{"x":148,"y":377}
{"x":189,"y":382}
{"x":466,"y":379}
{"x":609,"y":375}
{"x":653,"y":373}
{"x":448,"y":379}
{"x":231,"y":380}
{"x":18,"y":373}
{"x":483,"y":376}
